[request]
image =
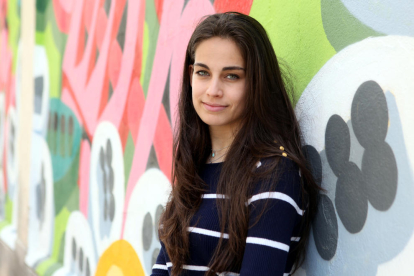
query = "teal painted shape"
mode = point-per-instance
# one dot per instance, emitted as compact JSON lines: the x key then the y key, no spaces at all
{"x":63,"y":137}
{"x":341,"y":27}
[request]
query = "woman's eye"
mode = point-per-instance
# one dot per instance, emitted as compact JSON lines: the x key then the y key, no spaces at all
{"x":202,"y":73}
{"x":232,"y":77}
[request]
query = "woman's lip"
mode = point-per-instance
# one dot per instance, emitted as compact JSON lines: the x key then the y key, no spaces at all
{"x":213,"y":107}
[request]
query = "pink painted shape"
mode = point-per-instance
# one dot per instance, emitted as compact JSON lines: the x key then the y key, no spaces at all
{"x":83,"y":182}
{"x":188,"y":22}
{"x":100,"y":32}
{"x":88,"y":10}
{"x":63,"y":9}
{"x":116,"y":106}
{"x":167,"y":36}
{"x":66,"y":97}
{"x":136,"y":103}
{"x":6,"y":59}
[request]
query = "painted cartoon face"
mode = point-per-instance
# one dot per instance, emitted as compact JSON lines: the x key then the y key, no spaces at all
{"x":357,"y":144}
{"x":107,"y":190}
{"x":218,"y":81}
{"x":147,"y":202}
{"x":79,"y":256}
{"x":41,"y":224}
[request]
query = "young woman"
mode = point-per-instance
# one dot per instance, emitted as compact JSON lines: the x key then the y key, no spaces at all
{"x":243,"y":198}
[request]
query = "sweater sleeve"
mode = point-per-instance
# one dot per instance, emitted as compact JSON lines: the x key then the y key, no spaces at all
{"x":273,"y":223}
{"x":160,"y":267}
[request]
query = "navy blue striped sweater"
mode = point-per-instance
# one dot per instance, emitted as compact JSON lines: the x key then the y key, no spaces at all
{"x":269,"y":242}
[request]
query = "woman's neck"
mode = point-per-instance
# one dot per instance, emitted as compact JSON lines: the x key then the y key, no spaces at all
{"x":221,"y":139}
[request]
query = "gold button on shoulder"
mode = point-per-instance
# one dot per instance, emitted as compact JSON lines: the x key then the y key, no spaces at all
{"x":284,"y":154}
{"x":282,"y":148}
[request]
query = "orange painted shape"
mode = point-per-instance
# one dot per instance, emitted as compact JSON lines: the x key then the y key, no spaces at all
{"x":114,"y":62}
{"x":120,"y":257}
{"x":158,"y":8}
{"x":242,"y":6}
{"x":102,"y":21}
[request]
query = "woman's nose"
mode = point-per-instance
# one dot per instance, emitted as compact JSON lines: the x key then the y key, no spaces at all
{"x":215,"y":88}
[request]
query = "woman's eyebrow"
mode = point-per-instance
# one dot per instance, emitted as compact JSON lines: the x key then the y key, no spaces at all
{"x":224,"y":68}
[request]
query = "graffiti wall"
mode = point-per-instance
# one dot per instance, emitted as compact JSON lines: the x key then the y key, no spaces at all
{"x":106,"y":75}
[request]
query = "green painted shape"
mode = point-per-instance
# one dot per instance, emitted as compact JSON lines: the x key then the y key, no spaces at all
{"x":145,"y":46}
{"x":52,"y":269}
{"x":128,"y":157}
{"x":61,"y":164}
{"x":296,"y":31}
{"x":151,"y":19}
{"x":341,"y":27}
{"x":41,"y":21}
{"x":66,"y":188}
{"x":44,"y":266}
{"x":59,"y":37}
{"x":13,"y":20}
{"x":41,"y":5}
{"x":61,"y":221}
{"x":54,"y":59}
{"x":3,"y":224}
{"x":8,"y":208}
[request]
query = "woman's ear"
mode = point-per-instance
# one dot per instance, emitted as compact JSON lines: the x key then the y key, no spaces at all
{"x":191,"y":70}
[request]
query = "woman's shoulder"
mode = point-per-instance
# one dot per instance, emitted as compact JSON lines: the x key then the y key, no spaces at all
{"x":283,"y":176}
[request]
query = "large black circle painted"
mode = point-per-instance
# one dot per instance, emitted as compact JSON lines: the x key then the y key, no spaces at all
{"x":369,"y":114}
{"x":325,"y":228}
{"x":314,"y":162}
{"x":337,"y":144}
{"x":381,"y":175}
{"x":350,"y":198}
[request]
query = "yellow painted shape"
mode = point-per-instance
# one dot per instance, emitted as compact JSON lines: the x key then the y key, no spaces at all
{"x":120,"y":259}
{"x":145,"y":42}
{"x":115,"y":271}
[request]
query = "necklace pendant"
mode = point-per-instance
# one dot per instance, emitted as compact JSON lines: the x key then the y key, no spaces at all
{"x":213,"y":154}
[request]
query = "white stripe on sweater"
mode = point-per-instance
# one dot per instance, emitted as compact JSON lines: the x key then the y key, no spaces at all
{"x":269,"y":243}
{"x":213,"y":196}
{"x":276,"y":195}
{"x":207,"y":232}
{"x":296,"y":239}
{"x":160,"y":266}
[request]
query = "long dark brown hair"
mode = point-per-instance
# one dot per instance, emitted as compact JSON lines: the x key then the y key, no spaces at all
{"x":268,"y":117}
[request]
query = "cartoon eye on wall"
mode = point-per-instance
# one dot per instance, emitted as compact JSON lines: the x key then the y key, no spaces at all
{"x":144,"y":210}
{"x":41,"y":90}
{"x":42,"y":215}
{"x":107,"y":190}
{"x":360,"y":135}
{"x":79,"y":254}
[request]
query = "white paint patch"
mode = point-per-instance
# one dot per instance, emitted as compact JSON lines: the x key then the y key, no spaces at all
{"x":387,"y":235}
{"x":106,"y":162}
{"x":41,"y":208}
{"x":149,"y":194}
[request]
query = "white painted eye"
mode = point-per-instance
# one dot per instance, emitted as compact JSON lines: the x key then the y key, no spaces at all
{"x":41,"y":217}
{"x":147,"y":202}
{"x":41,"y":90}
{"x":79,"y":255}
{"x":107,"y":186}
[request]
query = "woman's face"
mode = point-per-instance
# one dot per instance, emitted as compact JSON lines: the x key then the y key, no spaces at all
{"x":218,"y":80}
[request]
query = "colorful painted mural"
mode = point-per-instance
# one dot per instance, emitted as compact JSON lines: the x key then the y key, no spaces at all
{"x":106,"y":75}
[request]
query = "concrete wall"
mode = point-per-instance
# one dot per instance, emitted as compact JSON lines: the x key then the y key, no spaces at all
{"x":88,"y":93}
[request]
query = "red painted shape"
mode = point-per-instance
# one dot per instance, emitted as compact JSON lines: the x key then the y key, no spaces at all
{"x":158,"y":8}
{"x":114,"y":62}
{"x":163,"y":142}
{"x":242,"y":6}
{"x":88,"y":7}
{"x":62,"y":17}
